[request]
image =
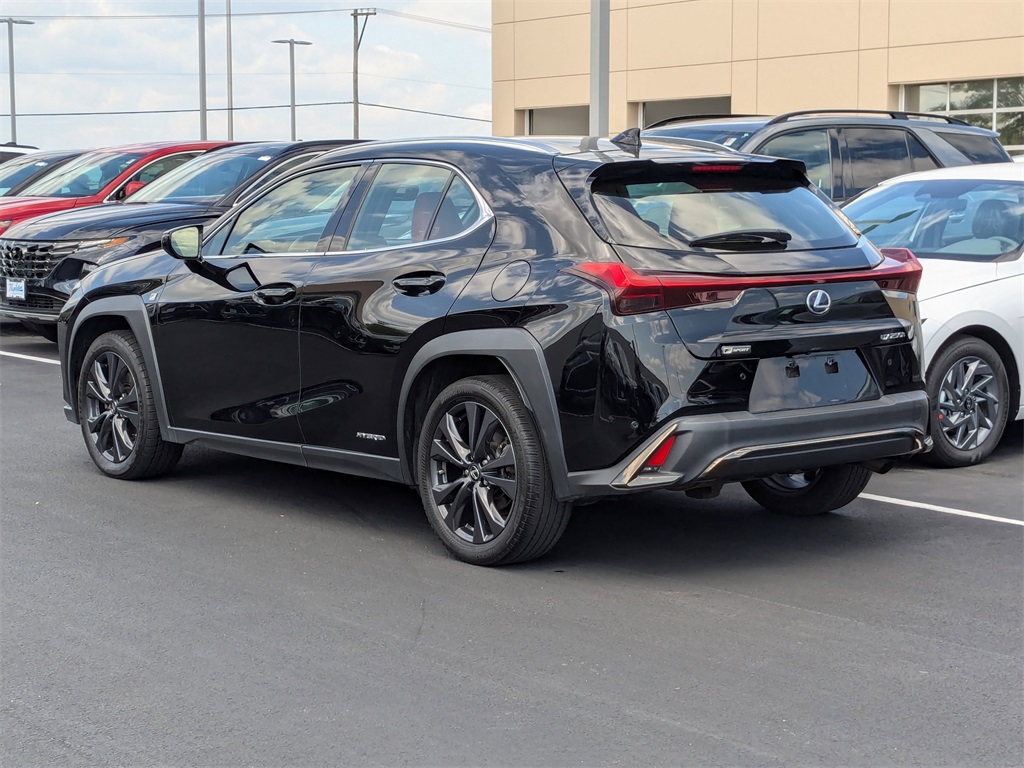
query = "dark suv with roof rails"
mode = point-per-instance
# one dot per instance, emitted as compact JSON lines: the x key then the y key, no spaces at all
{"x":845,"y":151}
{"x":512,"y":326}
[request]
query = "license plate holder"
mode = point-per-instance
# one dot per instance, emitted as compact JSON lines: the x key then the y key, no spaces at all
{"x":15,"y":290}
{"x":811,"y":381}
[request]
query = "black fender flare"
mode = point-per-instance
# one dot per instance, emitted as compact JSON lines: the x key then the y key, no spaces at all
{"x":522,"y":356}
{"x":132,"y":309}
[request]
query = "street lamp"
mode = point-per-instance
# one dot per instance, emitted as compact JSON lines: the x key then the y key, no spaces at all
{"x":291,"y":68}
{"x":10,"y":69}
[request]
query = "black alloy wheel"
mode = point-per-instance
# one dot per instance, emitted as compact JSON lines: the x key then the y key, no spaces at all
{"x":118,"y":413}
{"x":969,"y":392}
{"x":483,"y":476}
{"x":814,"y":492}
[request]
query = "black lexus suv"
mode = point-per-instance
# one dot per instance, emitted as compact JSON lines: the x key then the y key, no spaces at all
{"x":50,"y":253}
{"x":845,"y":151}
{"x":512,"y":326}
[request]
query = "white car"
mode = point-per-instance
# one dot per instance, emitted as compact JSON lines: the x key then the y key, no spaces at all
{"x":966,"y":225}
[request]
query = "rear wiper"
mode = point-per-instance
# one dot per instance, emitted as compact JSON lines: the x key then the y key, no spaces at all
{"x":741,"y":239}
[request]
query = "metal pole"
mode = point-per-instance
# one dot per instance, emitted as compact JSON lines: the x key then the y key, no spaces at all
{"x":357,"y":38}
{"x":600,"y":14}
{"x":231,"y":98}
{"x":10,"y":22}
{"x":291,"y":70}
{"x":202,"y":69}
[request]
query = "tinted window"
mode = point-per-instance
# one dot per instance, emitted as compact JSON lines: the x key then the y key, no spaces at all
{"x":944,"y":218}
{"x":16,"y":171}
{"x":401,"y":207}
{"x":875,"y":154}
{"x":813,"y":148}
{"x":673,"y":212}
{"x":83,"y":177}
{"x":919,"y":156}
{"x":158,"y":168}
{"x":291,"y":217}
{"x":977,"y":149}
{"x":209,"y":176}
{"x":728,"y":137}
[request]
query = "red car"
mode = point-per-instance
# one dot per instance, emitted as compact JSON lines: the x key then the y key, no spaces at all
{"x":100,"y":176}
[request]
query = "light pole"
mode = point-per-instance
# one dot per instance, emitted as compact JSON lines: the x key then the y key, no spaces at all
{"x":357,"y":38}
{"x":10,"y":69}
{"x":291,"y":69}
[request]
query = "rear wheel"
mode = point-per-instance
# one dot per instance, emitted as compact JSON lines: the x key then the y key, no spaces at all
{"x":969,"y":392}
{"x":117,"y":412}
{"x":484,"y":477}
{"x":47,"y":330}
{"x":815,"y":492}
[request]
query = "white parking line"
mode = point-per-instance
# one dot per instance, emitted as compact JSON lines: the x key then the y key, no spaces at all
{"x":936,"y":508}
{"x":31,"y":357}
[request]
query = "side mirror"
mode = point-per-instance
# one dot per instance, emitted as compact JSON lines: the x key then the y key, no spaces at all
{"x":183,"y":243}
{"x":132,"y":187}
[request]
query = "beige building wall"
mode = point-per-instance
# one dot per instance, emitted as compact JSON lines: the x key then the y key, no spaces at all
{"x":768,"y":56}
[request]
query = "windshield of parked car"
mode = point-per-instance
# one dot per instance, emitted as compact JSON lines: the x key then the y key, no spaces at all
{"x":207,"y":178}
{"x":963,"y":219}
{"x":16,"y":171}
{"x":719,"y":134}
{"x":83,"y":177}
{"x":682,"y":210}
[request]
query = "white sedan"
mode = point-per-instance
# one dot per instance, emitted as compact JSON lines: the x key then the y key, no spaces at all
{"x":966,"y":225}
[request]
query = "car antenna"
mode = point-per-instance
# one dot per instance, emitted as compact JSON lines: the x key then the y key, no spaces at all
{"x":629,"y":140}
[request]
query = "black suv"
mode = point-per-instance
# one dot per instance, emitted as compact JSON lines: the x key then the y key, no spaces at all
{"x":512,"y":326}
{"x":845,"y":151}
{"x":53,"y":251}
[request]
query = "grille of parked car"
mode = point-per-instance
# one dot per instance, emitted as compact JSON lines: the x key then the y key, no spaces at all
{"x":32,"y":259}
{"x":41,"y":303}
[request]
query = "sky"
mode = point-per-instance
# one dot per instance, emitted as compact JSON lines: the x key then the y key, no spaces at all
{"x":85,"y":56}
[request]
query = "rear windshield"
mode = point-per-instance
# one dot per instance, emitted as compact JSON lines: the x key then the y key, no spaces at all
{"x":86,"y":176}
{"x":977,"y":149}
{"x":679,"y":207}
{"x":14,"y":172}
{"x":958,"y":219}
{"x":206,"y":178}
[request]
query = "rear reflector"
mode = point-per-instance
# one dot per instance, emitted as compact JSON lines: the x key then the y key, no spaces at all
{"x":634,"y":293}
{"x":658,"y":458}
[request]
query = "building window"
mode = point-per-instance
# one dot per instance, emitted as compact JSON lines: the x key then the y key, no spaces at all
{"x":559,"y":121}
{"x":997,"y":104}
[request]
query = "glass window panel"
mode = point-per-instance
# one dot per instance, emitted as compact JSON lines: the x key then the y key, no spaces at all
{"x":926,"y":98}
{"x":921,"y":159}
{"x":970,"y":94}
{"x":812,"y":148}
{"x":399,"y":206}
{"x":982,"y":120}
{"x":1011,"y":128}
{"x":977,"y":149}
{"x":290,"y":218}
{"x":458,"y":210}
{"x":876,"y":154}
{"x":1010,"y":92}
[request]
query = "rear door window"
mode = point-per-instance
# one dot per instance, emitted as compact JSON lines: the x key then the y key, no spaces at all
{"x":874,"y":155}
{"x":811,"y":147}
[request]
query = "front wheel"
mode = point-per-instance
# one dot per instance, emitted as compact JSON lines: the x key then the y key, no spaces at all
{"x":815,"y":492}
{"x":484,"y":477}
{"x":969,"y":393}
{"x":117,"y":411}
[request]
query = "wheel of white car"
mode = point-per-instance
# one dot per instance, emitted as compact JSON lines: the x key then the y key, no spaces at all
{"x":969,"y":393}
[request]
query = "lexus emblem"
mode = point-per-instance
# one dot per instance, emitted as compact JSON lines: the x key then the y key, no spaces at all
{"x":819,"y":302}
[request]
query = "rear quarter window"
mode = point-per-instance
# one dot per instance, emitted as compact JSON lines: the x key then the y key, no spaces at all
{"x":977,"y":149}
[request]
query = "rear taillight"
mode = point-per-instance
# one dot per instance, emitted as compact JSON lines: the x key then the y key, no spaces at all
{"x":660,"y":456}
{"x":633,"y":293}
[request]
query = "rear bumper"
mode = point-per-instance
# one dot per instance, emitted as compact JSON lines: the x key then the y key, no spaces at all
{"x":729,"y":447}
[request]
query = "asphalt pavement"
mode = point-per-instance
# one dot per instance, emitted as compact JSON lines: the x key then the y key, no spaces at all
{"x":240,"y":612}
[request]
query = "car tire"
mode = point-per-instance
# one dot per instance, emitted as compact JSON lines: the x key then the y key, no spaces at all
{"x":47,"y":330}
{"x":805,"y":494}
{"x":965,"y":427}
{"x":117,"y":412}
{"x":483,"y":475}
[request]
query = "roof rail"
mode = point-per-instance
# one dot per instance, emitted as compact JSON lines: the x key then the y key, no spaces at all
{"x":687,"y":118}
{"x":895,"y":114}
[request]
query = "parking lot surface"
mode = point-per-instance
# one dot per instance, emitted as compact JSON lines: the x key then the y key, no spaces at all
{"x":239,"y":612}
